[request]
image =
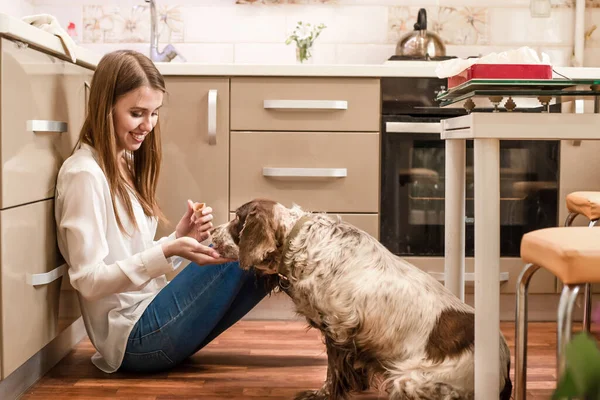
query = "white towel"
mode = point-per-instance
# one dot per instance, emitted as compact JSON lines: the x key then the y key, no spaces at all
{"x":50,"y":24}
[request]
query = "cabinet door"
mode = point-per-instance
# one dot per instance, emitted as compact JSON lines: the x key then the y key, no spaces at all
{"x":42,"y":112}
{"x":31,"y":275}
{"x":195,"y":146}
{"x":320,"y":171}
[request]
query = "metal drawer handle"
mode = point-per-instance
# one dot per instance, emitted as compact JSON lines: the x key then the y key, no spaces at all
{"x":42,"y":125}
{"x":413,"y":127}
{"x":306,"y":172}
{"x":469,"y":276}
{"x":212,"y":117}
{"x":46,"y":278}
{"x":306,"y":104}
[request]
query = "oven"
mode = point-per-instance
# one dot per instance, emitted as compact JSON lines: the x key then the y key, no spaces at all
{"x":413,"y":170}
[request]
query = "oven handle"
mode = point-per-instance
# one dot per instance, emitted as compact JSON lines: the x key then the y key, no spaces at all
{"x":413,"y":127}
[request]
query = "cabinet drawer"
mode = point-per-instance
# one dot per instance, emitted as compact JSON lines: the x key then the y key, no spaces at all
{"x":42,"y":110}
{"x":305,"y":104}
{"x":30,"y":309}
{"x":367,"y":222}
{"x":332,"y":172}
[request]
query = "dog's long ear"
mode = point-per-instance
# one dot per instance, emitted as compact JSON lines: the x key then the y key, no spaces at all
{"x":257,"y":239}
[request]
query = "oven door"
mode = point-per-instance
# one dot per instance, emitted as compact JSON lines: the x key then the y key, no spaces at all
{"x":412,"y":188}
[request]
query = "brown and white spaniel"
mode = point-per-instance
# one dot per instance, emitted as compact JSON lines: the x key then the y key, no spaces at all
{"x":384,"y":321}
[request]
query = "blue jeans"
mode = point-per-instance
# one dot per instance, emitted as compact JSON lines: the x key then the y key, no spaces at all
{"x":194,"y":308}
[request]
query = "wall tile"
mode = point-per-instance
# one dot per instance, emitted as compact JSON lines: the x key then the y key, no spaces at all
{"x":364,"y":53}
{"x":207,"y":53}
{"x":285,"y":2}
{"x":103,"y":48}
{"x":462,"y":25}
{"x":116,"y":24}
{"x":592,"y":28}
{"x":66,"y":14}
{"x":345,"y":24}
{"x":475,"y":51}
{"x":524,"y":30}
{"x":17,"y":8}
{"x":234,"y":24}
{"x":559,"y":56}
{"x":358,"y":31}
{"x":591,"y":57}
{"x":414,"y":3}
{"x":264,"y":53}
{"x":503,"y":3}
{"x":277,"y":53}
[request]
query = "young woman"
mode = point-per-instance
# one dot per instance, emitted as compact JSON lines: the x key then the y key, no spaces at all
{"x":107,"y":215}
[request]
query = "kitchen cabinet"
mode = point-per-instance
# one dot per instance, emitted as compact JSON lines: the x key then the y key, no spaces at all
{"x":43,"y":103}
{"x":194,"y":123}
{"x":305,"y":140}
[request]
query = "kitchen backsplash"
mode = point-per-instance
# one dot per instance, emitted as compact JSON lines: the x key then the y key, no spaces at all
{"x":357,"y":32}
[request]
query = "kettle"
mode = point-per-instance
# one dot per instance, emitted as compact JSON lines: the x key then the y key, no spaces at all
{"x":420,"y":42}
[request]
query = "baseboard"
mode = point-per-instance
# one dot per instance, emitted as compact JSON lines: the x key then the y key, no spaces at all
{"x":542,"y":307}
{"x":37,"y":366}
{"x":278,"y":306}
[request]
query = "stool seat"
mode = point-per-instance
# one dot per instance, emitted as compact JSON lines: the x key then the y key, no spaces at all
{"x":572,"y":254}
{"x":584,"y":203}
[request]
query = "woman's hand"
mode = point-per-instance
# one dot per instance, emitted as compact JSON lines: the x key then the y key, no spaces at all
{"x":190,"y":249}
{"x":195,"y":226}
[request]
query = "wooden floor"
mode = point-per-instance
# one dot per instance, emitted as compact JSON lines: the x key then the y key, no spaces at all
{"x":252,"y":360}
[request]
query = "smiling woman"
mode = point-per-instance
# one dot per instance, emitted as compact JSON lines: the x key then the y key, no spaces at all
{"x":107,"y":215}
{"x":117,"y":128}
{"x":136,"y":114}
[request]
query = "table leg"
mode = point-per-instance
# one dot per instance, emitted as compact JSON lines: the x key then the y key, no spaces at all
{"x":454,"y":236}
{"x":487,"y":268}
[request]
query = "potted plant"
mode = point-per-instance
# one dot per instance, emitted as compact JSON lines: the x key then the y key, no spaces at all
{"x":581,"y":377}
{"x":304,"y":35}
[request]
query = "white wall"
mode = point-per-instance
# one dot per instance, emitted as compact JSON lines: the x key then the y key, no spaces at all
{"x":17,"y":8}
{"x":359,"y":31}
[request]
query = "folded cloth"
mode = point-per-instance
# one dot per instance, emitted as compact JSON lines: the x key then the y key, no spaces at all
{"x":50,"y":24}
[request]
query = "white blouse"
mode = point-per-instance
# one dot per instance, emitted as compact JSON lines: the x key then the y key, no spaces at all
{"x":116,"y":275}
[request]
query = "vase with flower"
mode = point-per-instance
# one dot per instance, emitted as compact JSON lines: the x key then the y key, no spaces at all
{"x":304,"y":35}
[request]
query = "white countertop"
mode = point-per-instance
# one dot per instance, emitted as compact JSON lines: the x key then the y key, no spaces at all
{"x":390,"y":69}
{"x":398,"y":68}
{"x":14,"y":28}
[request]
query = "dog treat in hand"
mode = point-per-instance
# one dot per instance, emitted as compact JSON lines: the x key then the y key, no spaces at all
{"x":198,"y":209}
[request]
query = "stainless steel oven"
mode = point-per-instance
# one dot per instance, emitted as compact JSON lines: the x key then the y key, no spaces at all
{"x":413,"y":170}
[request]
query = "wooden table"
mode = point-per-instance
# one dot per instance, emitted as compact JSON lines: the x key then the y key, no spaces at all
{"x":486,"y":130}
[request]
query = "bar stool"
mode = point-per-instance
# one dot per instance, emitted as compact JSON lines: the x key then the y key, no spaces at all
{"x":573,"y":256}
{"x":587,"y":204}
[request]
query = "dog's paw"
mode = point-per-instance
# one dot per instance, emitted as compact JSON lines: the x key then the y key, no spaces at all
{"x":311,"y":395}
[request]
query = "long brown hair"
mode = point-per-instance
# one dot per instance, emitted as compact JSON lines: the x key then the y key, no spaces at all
{"x":118,"y":73}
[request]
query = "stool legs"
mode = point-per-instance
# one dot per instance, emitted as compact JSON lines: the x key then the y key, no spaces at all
{"x":565,"y":312}
{"x":521,"y":331}
{"x":587,"y":294}
{"x":570,"y":218}
{"x":587,"y":307}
